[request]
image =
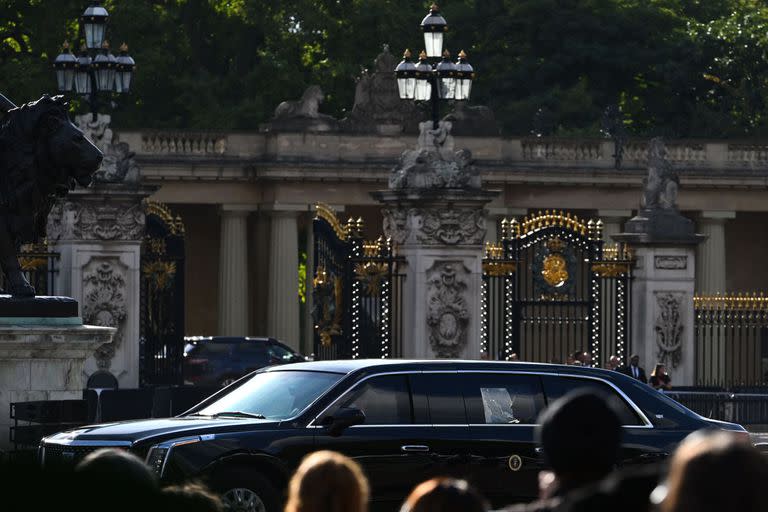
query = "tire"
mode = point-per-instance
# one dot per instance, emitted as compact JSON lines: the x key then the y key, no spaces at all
{"x":243,"y":490}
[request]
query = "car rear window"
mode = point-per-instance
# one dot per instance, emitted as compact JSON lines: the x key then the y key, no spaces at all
{"x":556,"y":386}
{"x":502,"y":398}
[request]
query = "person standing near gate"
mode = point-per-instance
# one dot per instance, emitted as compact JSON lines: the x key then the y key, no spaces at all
{"x":634,"y":370}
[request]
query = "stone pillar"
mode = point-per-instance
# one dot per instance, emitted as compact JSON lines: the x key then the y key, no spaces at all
{"x":710,"y":256}
{"x":98,"y":233}
{"x":39,"y":362}
{"x":613,"y":222}
{"x":233,"y":271}
{"x":664,"y":243}
{"x":662,"y":309}
{"x":440,"y":233}
{"x":283,"y":302}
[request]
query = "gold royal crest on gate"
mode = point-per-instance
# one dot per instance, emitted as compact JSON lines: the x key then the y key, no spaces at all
{"x":554,"y":267}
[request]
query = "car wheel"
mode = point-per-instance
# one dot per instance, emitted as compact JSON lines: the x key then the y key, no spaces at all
{"x":252,"y":493}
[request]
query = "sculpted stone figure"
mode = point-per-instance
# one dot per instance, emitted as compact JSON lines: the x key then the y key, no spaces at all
{"x":303,"y":114}
{"x":662,"y":182}
{"x":307,"y":106}
{"x":42,"y":156}
{"x":434,"y":164}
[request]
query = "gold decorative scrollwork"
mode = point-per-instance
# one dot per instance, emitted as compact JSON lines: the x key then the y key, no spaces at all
{"x":159,"y":273}
{"x":156,"y":246}
{"x":611,"y":268}
{"x":734,"y":302}
{"x":512,"y":228}
{"x":328,"y":295}
{"x":325,"y":212}
{"x":28,"y":263}
{"x":175,"y":224}
{"x":371,"y":274}
{"x":499,"y":268}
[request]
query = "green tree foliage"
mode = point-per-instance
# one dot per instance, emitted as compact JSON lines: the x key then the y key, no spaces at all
{"x":676,"y":67}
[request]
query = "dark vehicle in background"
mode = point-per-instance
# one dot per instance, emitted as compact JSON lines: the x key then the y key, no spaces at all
{"x":218,"y":361}
{"x":404,"y":421}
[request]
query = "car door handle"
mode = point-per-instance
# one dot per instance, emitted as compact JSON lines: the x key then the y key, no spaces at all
{"x":414,"y":448}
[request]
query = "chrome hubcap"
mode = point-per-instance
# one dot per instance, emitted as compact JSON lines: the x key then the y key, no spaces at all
{"x":242,"y":500}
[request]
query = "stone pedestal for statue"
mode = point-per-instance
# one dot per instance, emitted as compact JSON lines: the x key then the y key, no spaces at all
{"x":98,"y":233}
{"x":43,"y":349}
{"x":664,"y":244}
{"x":434,"y":212}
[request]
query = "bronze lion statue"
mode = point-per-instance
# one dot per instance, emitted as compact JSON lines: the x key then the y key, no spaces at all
{"x":42,"y":156}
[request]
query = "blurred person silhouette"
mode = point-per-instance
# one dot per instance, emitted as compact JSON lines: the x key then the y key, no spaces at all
{"x":190,"y":497}
{"x":117,"y":477}
{"x":660,"y":379}
{"x":327,"y":481}
{"x":613,"y":363}
{"x":580,"y":436}
{"x":444,"y":495}
{"x":634,"y":370}
{"x":575,"y":358}
{"x":714,"y":471}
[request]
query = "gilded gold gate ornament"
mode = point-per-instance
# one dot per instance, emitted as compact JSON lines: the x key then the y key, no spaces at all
{"x":328,"y":298}
{"x":555,"y":270}
{"x":371,"y":274}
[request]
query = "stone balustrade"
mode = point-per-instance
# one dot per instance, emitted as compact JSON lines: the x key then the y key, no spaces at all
{"x":562,"y":149}
{"x":589,"y":153}
{"x":183,"y":143}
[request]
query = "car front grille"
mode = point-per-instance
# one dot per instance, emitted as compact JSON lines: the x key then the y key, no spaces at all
{"x":64,"y":456}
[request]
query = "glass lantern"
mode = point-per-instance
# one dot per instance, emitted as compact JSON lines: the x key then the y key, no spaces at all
{"x":65,"y":69}
{"x":424,"y":74}
{"x":464,"y":76}
{"x":434,"y":26}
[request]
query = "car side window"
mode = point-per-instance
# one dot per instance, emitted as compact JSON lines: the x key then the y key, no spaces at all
{"x":444,"y":397}
{"x":278,"y":352}
{"x":503,"y":398}
{"x":555,"y":387}
{"x":384,"y":400}
{"x":254,"y":352}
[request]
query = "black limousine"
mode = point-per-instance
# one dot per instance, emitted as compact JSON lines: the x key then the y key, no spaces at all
{"x":404,"y":421}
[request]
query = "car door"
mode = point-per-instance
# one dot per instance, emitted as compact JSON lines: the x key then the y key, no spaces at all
{"x":388,"y":445}
{"x":448,"y":439}
{"x":641,"y":442}
{"x":502,"y":409}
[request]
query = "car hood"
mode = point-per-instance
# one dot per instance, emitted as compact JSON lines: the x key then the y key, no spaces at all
{"x":141,"y":430}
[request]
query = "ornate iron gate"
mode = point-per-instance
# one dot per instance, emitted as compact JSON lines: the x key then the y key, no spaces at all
{"x":551,"y":288}
{"x":162,"y":298}
{"x":355,"y":292}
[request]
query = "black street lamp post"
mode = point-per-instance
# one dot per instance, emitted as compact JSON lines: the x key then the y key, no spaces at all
{"x":436,"y":79}
{"x":95,"y":70}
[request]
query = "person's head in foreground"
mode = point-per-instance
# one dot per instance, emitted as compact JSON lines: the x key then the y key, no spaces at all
{"x":327,"y":481}
{"x":118,"y":475}
{"x":444,"y":495}
{"x":714,"y":471}
{"x":580,"y":434}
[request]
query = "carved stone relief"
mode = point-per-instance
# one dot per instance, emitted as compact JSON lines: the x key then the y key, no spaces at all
{"x":671,"y":262}
{"x":435,"y":164}
{"x":104,"y":302}
{"x":96,"y":221}
{"x":669,"y":328}
{"x":119,"y":164}
{"x":435,"y":226}
{"x":448,"y":314}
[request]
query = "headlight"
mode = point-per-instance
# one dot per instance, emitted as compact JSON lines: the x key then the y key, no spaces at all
{"x":158,"y":455}
{"x":156,"y":459}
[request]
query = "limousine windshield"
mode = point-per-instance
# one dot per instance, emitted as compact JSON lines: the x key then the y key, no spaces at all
{"x":274,"y":395}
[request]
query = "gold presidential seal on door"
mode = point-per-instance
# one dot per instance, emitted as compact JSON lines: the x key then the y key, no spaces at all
{"x":515,"y":462}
